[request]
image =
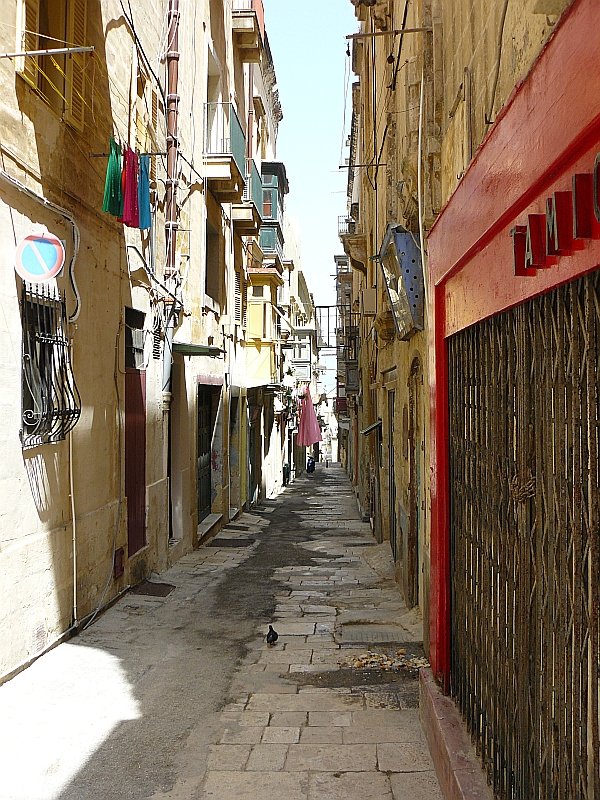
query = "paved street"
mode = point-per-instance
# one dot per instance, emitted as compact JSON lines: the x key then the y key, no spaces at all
{"x":180,"y":697}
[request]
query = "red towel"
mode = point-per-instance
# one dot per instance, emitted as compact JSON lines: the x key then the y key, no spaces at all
{"x":131,"y":169}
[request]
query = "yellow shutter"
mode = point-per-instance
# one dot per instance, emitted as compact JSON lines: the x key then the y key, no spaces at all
{"x":28,"y":39}
{"x":244,"y":293}
{"x":238,"y":298}
{"x":75,"y":94}
{"x":154,"y":137}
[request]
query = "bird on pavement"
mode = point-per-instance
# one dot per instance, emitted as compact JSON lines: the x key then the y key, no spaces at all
{"x":272,"y":636}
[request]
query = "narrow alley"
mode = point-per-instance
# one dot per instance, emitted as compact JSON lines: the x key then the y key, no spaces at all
{"x":179,"y":696}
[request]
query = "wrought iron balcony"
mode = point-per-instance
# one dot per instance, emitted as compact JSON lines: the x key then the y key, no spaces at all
{"x":346,"y":226}
{"x":341,"y":406}
{"x":224,"y":152}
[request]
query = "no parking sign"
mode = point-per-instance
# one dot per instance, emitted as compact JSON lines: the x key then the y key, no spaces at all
{"x":39,"y":258}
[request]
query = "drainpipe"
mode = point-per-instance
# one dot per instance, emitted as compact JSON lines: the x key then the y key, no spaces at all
{"x":73,"y":526}
{"x":171,"y":222}
{"x":171,"y":225}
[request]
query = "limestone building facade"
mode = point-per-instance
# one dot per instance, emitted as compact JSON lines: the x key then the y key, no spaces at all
{"x":126,"y":412}
{"x":488,"y":179}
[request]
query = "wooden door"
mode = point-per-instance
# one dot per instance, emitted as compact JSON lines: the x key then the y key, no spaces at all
{"x":135,"y":458}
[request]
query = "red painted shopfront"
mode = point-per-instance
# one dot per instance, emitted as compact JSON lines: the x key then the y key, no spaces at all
{"x":523,"y":222}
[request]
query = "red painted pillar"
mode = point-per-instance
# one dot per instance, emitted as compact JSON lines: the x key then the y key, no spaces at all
{"x":439,"y":602}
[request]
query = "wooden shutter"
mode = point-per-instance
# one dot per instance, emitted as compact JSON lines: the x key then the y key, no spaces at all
{"x":244,"y":294}
{"x":238,"y":298}
{"x":75,"y":94}
{"x":28,"y":39}
{"x":154,"y":137}
{"x":141,"y":133}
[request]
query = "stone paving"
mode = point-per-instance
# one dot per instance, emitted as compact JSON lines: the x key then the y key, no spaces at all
{"x":287,"y":736}
{"x":180,"y":698}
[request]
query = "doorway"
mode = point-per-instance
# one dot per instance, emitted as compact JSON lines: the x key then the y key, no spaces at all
{"x":135,"y":458}
{"x":392,"y":474}
{"x":416,"y":449}
{"x":203,"y":477}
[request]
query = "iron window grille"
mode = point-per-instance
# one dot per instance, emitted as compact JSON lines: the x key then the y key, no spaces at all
{"x":50,"y":400}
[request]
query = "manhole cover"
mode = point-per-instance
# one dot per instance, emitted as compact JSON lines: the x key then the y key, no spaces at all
{"x":153,"y":589}
{"x":369,"y":634}
{"x":231,"y":542}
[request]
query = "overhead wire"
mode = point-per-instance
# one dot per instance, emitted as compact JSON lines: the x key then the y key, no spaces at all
{"x":347,"y":71}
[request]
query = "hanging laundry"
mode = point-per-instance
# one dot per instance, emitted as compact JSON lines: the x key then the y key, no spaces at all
{"x":113,"y":193}
{"x":309,"y":430}
{"x":131,"y":213}
{"x":145,"y":213}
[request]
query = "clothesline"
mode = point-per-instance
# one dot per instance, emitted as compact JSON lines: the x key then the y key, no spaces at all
{"x":107,"y":155}
{"x":127,"y":186}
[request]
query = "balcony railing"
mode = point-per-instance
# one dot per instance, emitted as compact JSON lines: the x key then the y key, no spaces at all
{"x":341,"y":405}
{"x":253,"y":190}
{"x":224,"y":134}
{"x":346,"y":225}
{"x":257,"y":7}
{"x":270,"y":243}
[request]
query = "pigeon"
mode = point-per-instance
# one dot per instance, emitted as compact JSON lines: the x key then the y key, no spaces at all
{"x":272,"y":636}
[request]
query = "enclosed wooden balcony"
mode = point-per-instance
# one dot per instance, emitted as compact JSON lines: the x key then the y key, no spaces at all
{"x":247,"y":215}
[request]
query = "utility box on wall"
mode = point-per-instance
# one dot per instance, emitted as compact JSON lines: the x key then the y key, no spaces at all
{"x":369,"y":301}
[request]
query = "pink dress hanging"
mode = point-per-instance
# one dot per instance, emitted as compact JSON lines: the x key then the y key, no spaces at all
{"x":309,"y":431}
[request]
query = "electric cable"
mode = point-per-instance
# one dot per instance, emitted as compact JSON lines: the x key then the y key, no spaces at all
{"x":490,"y":111}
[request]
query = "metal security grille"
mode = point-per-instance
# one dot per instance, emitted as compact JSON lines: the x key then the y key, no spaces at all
{"x":50,"y":402}
{"x":525,"y":542}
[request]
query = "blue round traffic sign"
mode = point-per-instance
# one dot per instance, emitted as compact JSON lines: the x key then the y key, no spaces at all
{"x":40,"y":258}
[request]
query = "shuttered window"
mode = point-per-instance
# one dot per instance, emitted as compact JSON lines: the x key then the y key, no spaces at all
{"x":146,"y":120}
{"x":244,"y":302}
{"x":28,"y":39}
{"x":59,"y":79}
{"x":238,"y":298}
{"x":241,"y":303}
{"x":75,"y":72}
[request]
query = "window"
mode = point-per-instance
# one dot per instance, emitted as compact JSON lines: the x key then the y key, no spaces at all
{"x":268,"y":197}
{"x":240,"y":299}
{"x":214,"y":262}
{"x":146,"y":120}
{"x":134,"y":339}
{"x":258,"y":291}
{"x":59,"y":79}
{"x":50,"y":402}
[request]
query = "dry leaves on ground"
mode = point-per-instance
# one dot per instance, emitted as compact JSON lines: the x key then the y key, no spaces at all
{"x":373,"y":660}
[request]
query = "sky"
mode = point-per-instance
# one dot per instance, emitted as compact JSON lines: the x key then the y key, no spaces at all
{"x":308,"y":43}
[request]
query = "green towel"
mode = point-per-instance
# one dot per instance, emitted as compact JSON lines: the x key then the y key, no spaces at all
{"x":113,"y":193}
